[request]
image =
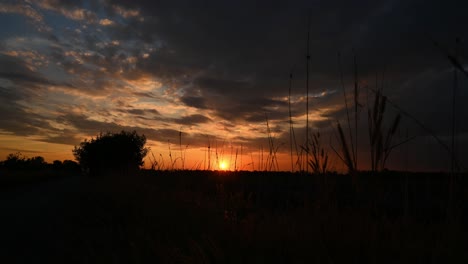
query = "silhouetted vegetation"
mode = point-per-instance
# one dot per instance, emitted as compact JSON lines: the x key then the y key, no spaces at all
{"x":319,"y":155}
{"x":18,"y":170}
{"x":380,"y":145}
{"x":111,"y":153}
{"x":255,"y":217}
{"x":182,"y":216}
{"x":19,"y":162}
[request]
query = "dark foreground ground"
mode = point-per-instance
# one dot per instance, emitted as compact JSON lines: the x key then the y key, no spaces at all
{"x":242,"y":217}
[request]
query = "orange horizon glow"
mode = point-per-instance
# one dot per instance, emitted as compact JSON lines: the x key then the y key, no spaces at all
{"x":223,"y":165}
{"x":194,"y":158}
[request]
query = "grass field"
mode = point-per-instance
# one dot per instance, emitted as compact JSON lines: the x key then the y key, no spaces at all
{"x":14,"y":179}
{"x":248,"y":217}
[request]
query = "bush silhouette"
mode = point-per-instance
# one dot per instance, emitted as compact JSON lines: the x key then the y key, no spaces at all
{"x":70,"y":165}
{"x":111,"y":153}
{"x":17,"y":161}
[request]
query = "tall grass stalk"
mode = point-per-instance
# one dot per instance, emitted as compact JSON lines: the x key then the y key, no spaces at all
{"x":230,"y":157}
{"x":307,"y":88}
{"x":260,"y":159}
{"x":209,"y":155}
{"x":290,"y":124}
{"x":299,"y":159}
{"x":161,"y":158}
{"x":241,"y":166}
{"x":453,"y":156}
{"x":454,"y":60}
{"x":406,"y":187}
{"x":454,"y":95}
{"x":180,"y":148}
{"x":156,"y":164}
{"x":270,"y":149}
{"x":292,"y":135}
{"x":153,"y":162}
{"x":458,"y":66}
{"x":216,"y":154}
{"x":380,"y":145}
{"x":420,"y":124}
{"x":346,"y":108}
{"x":349,"y":151}
{"x":356,"y":115}
{"x":346,"y":154}
{"x":272,"y":162}
{"x":388,"y":147}
{"x":252,"y":160}
{"x":170,"y":154}
{"x":319,"y":156}
{"x":235,"y":162}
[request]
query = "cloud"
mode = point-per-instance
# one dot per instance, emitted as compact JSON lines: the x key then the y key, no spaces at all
{"x":93,"y":127}
{"x":192,"y":120}
{"x":69,"y":9}
{"x":18,"y":72}
{"x":139,"y":112}
{"x":22,"y":9}
{"x":145,"y":94}
{"x":16,"y":119}
{"x":195,"y":101}
{"x":106,"y":22}
{"x":35,"y":18}
{"x":66,"y":137}
{"x":125,"y":13}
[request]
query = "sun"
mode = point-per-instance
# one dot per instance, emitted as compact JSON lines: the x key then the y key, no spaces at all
{"x":223,"y":165}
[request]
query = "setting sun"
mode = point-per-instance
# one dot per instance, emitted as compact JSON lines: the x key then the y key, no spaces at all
{"x":223,"y":165}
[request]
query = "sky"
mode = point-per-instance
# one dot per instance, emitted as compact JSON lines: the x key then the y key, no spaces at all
{"x":194,"y":76}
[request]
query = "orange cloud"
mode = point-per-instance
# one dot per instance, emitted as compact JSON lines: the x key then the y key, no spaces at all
{"x":106,"y":22}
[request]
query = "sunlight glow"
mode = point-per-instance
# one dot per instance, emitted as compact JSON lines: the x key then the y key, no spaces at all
{"x":223,"y":165}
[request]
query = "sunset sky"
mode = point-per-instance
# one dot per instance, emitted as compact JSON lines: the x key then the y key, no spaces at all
{"x":214,"y":69}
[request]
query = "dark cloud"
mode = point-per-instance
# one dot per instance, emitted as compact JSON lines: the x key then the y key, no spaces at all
{"x":67,"y":137}
{"x":195,"y":101}
{"x":92,"y":127}
{"x":211,"y":85}
{"x":261,"y":43}
{"x":16,"y":70}
{"x":16,"y":119}
{"x":145,"y":94}
{"x":16,"y":150}
{"x":68,"y":4}
{"x":139,"y":112}
{"x":192,"y":120}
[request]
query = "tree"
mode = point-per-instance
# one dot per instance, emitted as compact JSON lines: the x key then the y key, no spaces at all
{"x":116,"y":153}
{"x":70,"y":165}
{"x":36,"y":162}
{"x":57,"y":164}
{"x":15,"y":161}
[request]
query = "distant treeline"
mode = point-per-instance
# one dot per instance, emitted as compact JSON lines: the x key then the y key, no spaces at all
{"x":17,"y":161}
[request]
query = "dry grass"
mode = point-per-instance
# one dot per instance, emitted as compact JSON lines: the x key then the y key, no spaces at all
{"x":319,"y":155}
{"x":248,"y":217}
{"x":206,"y":217}
{"x":380,"y":142}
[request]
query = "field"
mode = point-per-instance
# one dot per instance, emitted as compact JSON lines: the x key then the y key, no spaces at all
{"x":238,"y":217}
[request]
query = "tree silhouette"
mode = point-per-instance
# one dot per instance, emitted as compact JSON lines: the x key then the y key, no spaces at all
{"x":15,"y":161}
{"x":111,"y":153}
